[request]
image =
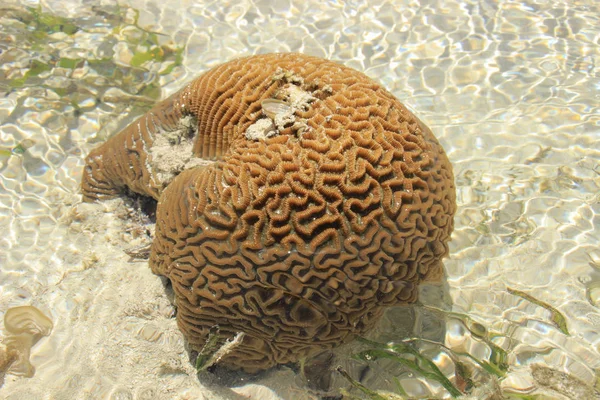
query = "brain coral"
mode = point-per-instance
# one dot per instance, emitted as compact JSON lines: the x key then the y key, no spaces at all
{"x":297,"y":199}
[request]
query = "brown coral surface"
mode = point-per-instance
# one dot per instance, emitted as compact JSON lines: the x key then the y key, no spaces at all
{"x":301,"y":237}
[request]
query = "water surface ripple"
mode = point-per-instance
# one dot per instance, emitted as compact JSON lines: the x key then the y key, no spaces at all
{"x":510,"y":88}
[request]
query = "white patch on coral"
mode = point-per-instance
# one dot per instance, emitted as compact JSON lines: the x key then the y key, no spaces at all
{"x":172,"y":151}
{"x":281,"y":113}
{"x":226,"y":348}
{"x":298,"y":98}
{"x":261,"y":129}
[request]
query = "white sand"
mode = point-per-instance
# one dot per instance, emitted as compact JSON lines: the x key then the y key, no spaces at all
{"x":115,"y":335}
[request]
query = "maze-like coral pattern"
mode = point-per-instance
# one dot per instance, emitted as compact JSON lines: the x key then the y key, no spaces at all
{"x":300,"y":240}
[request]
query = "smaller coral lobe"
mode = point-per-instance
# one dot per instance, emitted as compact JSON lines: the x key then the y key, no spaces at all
{"x":300,"y":239}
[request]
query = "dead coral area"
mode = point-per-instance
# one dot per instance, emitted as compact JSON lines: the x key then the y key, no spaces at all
{"x":281,"y":111}
{"x":172,"y":151}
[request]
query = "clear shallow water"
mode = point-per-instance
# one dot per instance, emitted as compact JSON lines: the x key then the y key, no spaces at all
{"x":511,"y":89}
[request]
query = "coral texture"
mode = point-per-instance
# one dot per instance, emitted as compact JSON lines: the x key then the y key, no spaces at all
{"x":300,"y":237}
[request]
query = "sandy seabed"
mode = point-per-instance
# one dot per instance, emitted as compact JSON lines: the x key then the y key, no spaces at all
{"x":116,"y":336}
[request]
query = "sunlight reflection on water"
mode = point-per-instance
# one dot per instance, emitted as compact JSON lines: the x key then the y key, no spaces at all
{"x":509,"y":88}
